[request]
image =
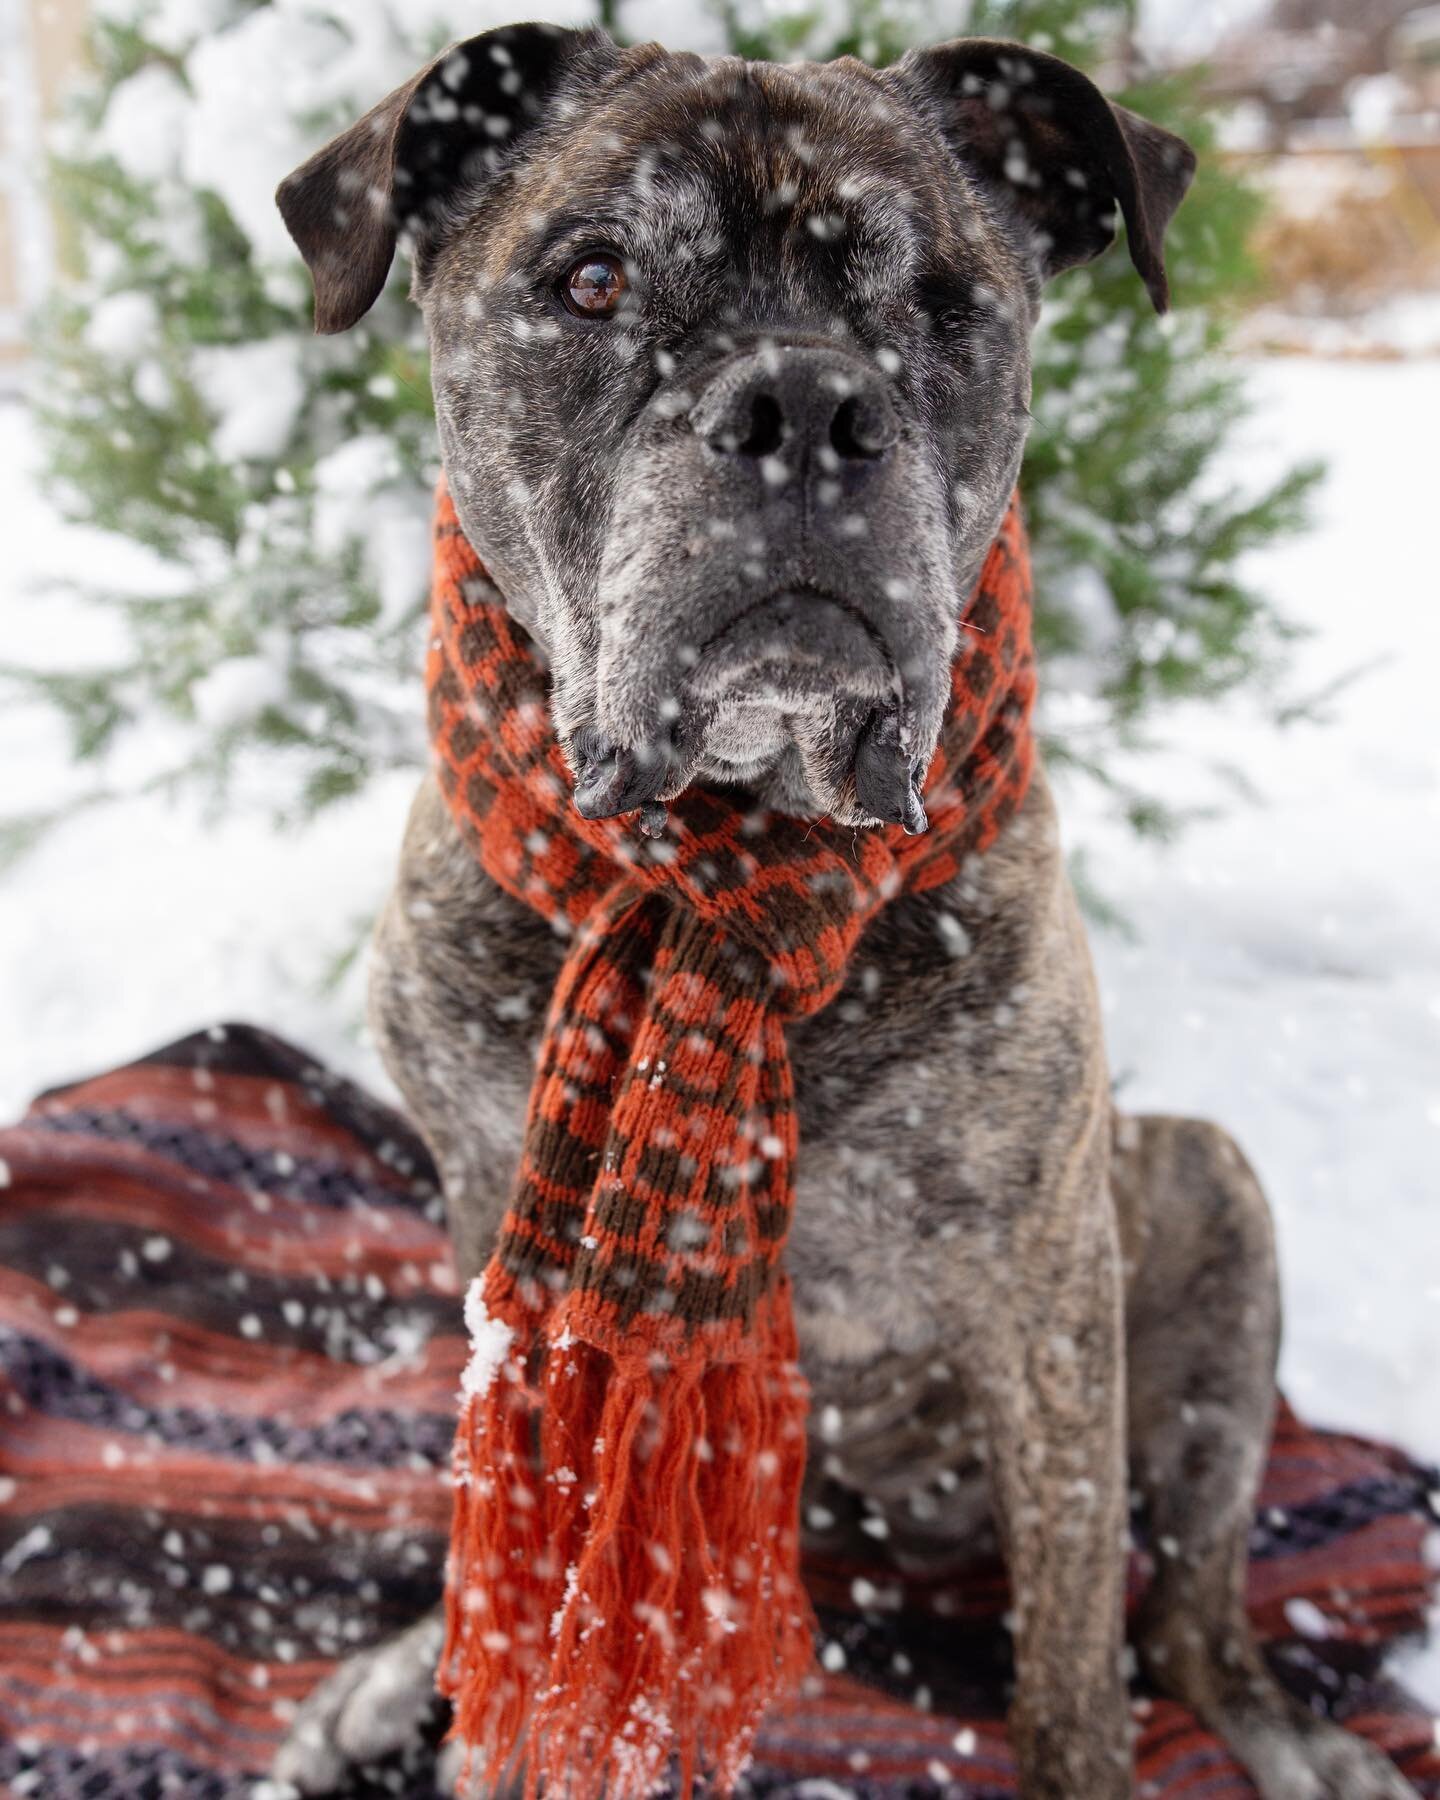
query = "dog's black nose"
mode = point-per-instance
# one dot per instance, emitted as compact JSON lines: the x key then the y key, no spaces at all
{"x":782,"y":404}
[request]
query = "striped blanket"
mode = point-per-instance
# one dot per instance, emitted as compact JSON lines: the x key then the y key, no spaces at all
{"x":229,"y":1354}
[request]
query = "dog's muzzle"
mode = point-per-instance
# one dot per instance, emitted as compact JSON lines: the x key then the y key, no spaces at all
{"x":782,"y":481}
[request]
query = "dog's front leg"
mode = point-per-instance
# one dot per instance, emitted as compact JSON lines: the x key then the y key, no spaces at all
{"x":1051,"y":1367}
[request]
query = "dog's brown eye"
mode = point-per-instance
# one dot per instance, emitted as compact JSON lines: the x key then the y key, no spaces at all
{"x":595,"y":285}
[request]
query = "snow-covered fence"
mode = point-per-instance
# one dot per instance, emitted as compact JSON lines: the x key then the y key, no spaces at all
{"x":40,"y":43}
{"x":1353,"y":220}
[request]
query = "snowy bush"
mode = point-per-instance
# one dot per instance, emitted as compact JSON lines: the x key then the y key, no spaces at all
{"x":285,"y":479}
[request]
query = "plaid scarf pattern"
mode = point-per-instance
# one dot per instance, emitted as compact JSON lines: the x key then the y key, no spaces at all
{"x":624,"y":1586}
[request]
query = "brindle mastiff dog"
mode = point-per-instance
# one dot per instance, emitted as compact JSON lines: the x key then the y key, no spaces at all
{"x":731,"y":364}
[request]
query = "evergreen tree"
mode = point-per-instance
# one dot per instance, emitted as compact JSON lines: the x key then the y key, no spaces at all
{"x":283,"y":481}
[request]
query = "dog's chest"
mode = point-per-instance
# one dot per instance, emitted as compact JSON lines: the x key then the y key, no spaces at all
{"x":872,"y":1290}
{"x":893,"y":1423}
{"x":908,"y":1149}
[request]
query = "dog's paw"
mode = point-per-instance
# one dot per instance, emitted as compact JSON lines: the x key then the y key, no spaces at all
{"x":372,"y":1706}
{"x":1324,"y":1762}
{"x":450,"y":1777}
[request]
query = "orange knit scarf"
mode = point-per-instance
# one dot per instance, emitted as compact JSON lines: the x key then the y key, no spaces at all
{"x":624,"y":1582}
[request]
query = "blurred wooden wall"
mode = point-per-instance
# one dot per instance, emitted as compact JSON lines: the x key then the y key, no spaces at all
{"x":41,"y":44}
{"x":1349,"y":224}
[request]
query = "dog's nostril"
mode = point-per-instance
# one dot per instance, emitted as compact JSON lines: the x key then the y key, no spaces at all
{"x":767,"y":427}
{"x":859,"y":429}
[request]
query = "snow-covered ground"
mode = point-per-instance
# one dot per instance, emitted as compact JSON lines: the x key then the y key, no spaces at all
{"x":140,"y":919}
{"x":1284,"y":973}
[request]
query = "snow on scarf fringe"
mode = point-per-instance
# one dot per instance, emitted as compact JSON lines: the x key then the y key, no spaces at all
{"x":624,"y":1592}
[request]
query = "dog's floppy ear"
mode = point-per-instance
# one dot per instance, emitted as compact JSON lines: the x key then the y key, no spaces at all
{"x":452,"y":127}
{"x":1046,"y":137}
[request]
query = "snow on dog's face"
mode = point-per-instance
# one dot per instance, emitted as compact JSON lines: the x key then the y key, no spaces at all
{"x":731,"y":366}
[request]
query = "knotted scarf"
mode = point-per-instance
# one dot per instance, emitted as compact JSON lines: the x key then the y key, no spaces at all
{"x":624,"y":1583}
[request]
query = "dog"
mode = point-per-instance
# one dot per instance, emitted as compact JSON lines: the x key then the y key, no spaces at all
{"x":704,"y":330}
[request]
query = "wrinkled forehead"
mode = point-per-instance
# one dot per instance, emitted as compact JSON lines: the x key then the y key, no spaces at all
{"x":772,"y":165}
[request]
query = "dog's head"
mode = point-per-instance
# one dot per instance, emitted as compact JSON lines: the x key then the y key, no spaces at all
{"x":731,"y":364}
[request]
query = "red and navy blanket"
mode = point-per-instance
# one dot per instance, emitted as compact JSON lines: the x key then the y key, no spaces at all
{"x":229,"y":1353}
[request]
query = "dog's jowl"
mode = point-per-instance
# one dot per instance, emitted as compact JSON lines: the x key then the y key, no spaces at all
{"x":731,"y":368}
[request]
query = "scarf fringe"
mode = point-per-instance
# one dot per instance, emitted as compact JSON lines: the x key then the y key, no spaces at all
{"x":633,"y":1594}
